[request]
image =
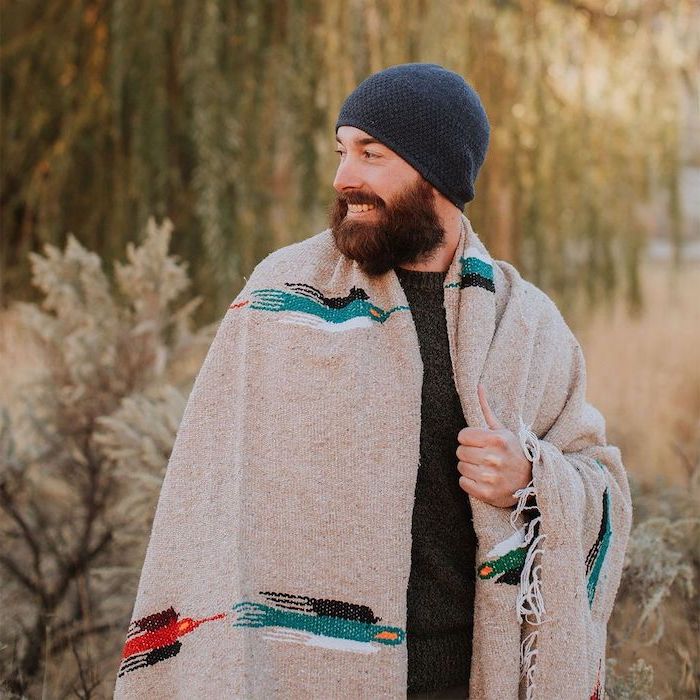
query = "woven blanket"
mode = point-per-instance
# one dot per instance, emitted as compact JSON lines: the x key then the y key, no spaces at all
{"x":279,"y":557}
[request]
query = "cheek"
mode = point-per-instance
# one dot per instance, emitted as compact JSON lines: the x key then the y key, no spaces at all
{"x":381,"y":187}
{"x":387,"y":195}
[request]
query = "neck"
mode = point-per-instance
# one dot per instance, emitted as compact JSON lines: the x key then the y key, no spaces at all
{"x":441,"y":257}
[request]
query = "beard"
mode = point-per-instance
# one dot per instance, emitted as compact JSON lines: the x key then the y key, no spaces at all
{"x":407,"y":230}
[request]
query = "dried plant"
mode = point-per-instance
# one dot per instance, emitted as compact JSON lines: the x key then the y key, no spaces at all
{"x":82,"y":460}
{"x":659,"y":583}
{"x":636,"y":684}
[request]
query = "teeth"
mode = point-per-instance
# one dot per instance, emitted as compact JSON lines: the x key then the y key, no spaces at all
{"x":360,"y":207}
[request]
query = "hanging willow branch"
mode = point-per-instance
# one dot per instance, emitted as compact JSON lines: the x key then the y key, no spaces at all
{"x":219,"y":115}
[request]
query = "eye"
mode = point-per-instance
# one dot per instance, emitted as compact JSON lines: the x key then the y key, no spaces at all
{"x":369,"y":153}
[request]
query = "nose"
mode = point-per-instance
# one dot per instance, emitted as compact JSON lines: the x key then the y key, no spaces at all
{"x":347,"y":177}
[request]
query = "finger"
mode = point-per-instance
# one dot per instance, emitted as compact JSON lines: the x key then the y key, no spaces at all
{"x":477,"y":437}
{"x":481,"y":456}
{"x":469,"y":485}
{"x":473,"y":489}
{"x":475,"y":455}
{"x":489,"y":415}
{"x":481,"y":473}
{"x":468,"y":469}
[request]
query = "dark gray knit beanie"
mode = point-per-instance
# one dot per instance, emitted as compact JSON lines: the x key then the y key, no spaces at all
{"x":428,"y":115}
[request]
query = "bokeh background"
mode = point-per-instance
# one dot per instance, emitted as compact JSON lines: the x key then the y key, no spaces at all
{"x":153,"y":151}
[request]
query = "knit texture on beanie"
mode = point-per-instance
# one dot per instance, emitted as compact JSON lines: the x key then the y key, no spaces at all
{"x":428,"y":115}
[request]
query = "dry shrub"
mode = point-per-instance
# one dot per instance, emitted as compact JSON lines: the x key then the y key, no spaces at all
{"x":636,"y":684}
{"x":656,"y":613}
{"x":644,"y":375}
{"x":82,"y":454}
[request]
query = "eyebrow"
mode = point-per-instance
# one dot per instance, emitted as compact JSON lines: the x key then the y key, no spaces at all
{"x":362,"y":141}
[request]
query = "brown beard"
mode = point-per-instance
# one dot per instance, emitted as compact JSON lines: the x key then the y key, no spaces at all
{"x":407,"y":230}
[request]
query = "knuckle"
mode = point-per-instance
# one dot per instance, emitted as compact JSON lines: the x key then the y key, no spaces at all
{"x":495,"y":460}
{"x":499,"y":441}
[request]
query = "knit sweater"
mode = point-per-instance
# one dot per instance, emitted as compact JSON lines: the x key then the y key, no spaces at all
{"x":441,"y":583}
{"x":280,"y":554}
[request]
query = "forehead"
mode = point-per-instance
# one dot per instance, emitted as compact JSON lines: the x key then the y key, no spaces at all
{"x":348,"y":135}
{"x":352,"y":137}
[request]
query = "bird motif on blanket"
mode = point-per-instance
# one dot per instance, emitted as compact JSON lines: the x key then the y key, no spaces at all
{"x":506,"y":559}
{"x":476,"y":270}
{"x":156,"y":637}
{"x":321,"y":622}
{"x":306,"y":305}
{"x":596,"y":555}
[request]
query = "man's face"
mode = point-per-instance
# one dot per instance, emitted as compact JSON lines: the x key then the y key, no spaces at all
{"x":401,"y":225}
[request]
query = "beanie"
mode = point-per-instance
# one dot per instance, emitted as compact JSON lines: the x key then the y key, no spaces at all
{"x":428,"y":115}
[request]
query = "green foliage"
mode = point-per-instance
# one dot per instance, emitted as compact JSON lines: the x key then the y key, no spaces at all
{"x":221,"y":116}
{"x":83,"y":457}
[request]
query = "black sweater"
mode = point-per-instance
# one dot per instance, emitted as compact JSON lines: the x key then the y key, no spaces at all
{"x":442,"y":577}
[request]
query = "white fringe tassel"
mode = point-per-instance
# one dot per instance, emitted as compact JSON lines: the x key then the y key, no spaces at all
{"x":528,"y":653}
{"x":530,"y":604}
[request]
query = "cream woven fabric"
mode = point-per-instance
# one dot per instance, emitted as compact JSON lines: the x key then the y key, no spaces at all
{"x":279,"y":557}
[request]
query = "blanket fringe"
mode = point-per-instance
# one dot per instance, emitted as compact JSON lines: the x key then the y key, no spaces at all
{"x":530,"y":603}
{"x":528,"y":652}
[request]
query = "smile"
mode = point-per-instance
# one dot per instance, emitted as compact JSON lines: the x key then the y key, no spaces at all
{"x":360,"y":208}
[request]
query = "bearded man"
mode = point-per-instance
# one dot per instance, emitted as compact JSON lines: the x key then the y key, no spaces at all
{"x":387,"y":481}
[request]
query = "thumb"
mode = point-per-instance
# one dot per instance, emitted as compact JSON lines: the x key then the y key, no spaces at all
{"x":489,"y":415}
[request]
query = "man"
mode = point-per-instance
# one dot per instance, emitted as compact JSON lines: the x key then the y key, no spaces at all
{"x":387,"y":480}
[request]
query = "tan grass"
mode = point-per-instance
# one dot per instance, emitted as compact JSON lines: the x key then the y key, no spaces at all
{"x":644,"y":373}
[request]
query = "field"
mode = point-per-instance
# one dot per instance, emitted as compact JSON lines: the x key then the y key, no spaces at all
{"x":644,"y":374}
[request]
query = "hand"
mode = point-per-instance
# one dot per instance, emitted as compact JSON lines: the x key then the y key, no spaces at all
{"x":491,"y":461}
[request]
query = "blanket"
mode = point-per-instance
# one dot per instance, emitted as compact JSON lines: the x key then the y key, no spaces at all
{"x":279,"y":557}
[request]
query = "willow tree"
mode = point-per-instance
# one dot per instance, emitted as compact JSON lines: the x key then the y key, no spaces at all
{"x":219,"y":115}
